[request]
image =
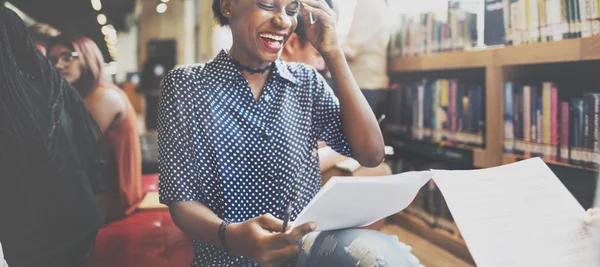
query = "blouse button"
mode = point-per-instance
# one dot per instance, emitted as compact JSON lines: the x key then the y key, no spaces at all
{"x":267,"y":98}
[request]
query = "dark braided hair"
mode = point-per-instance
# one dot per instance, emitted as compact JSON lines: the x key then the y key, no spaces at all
{"x":35,"y":149}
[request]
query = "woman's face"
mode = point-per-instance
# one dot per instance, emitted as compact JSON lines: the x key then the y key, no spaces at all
{"x":67,"y":62}
{"x":261,"y":27}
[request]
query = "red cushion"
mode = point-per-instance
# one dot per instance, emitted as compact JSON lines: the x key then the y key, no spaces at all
{"x":145,"y":239}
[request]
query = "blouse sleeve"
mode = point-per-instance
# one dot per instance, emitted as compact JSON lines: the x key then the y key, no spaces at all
{"x":178,"y":155}
{"x":328,"y":119}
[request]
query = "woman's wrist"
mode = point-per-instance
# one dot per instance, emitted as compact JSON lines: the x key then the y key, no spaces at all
{"x":333,"y":55}
{"x":232,"y":240}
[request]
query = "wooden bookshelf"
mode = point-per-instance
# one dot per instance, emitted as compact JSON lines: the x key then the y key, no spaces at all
{"x":497,"y":63}
{"x":443,"y":61}
{"x":570,"y":50}
{"x":567,"y":60}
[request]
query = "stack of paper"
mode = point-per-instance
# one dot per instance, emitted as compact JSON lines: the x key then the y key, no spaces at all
{"x":513,"y":215}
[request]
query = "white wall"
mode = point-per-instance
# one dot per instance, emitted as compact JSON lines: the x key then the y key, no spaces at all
{"x":127,"y":51}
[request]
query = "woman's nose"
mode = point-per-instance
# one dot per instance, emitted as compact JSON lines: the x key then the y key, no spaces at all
{"x":283,"y":21}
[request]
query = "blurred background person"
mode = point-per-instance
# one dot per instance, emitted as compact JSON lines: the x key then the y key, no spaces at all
{"x":365,"y":44}
{"x":80,"y":62}
{"x":48,"y":161}
{"x":40,"y":34}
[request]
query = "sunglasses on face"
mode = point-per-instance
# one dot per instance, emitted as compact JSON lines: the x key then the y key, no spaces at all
{"x":65,"y":58}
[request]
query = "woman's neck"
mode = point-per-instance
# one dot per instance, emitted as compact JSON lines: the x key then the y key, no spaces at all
{"x":245,"y":59}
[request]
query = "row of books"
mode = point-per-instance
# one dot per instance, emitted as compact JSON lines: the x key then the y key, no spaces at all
{"x":438,"y":110}
{"x":432,"y":32}
{"x":539,"y":124}
{"x":533,"y":21}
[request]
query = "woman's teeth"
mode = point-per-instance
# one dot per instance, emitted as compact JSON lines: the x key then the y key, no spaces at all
{"x":272,"y":38}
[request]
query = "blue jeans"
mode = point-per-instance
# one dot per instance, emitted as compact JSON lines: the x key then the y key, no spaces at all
{"x":356,"y":248}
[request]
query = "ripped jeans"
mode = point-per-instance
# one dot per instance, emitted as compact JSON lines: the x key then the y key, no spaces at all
{"x":354,"y":247}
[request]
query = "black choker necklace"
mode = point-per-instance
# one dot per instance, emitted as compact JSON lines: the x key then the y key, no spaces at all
{"x":241,"y":67}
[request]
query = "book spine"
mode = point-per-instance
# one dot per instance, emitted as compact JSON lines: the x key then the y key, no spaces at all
{"x":543,"y":20}
{"x":518,"y":118}
{"x":554,"y":123}
{"x":534,"y":21}
{"x":444,"y":104}
{"x":421,"y":110}
{"x":584,"y":15}
{"x":452,"y":106}
{"x":533,"y":118}
{"x":509,"y":142}
{"x":595,"y":24}
{"x":435,"y":120}
{"x":565,"y":124}
{"x":527,"y":117}
{"x":508,"y":27}
{"x":547,"y":125}
{"x":577,"y":18}
{"x":539,"y":149}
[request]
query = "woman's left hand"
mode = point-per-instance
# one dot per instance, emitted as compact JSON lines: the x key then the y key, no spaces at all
{"x":322,"y":33}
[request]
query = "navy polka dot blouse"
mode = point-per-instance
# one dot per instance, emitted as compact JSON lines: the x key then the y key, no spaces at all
{"x":239,"y":156}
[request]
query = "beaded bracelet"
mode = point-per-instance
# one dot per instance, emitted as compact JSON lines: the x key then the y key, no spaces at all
{"x":222,"y":229}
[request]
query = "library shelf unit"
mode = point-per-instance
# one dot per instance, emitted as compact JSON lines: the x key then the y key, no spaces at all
{"x":565,"y":62}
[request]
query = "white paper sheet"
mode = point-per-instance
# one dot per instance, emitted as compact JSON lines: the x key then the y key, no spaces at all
{"x":346,"y":202}
{"x":518,"y":215}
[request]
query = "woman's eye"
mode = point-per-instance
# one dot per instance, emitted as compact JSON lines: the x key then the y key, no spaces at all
{"x":266,"y":6}
{"x":292,"y":12}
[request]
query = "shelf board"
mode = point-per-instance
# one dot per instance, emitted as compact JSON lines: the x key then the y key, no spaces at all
{"x":569,"y":50}
{"x":550,"y":52}
{"x":442,"y":61}
{"x":512,"y":158}
{"x":444,"y":151}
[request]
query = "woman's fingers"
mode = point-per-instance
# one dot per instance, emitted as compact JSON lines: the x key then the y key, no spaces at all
{"x":271,"y":223}
{"x":311,"y":14}
{"x":318,"y":4}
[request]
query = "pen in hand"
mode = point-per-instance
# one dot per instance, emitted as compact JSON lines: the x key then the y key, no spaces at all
{"x":286,"y":216}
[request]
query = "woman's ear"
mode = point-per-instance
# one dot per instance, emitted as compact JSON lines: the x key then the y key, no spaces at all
{"x":226,"y":8}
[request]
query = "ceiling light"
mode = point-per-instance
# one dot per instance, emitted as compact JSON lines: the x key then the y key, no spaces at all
{"x":107,"y":29}
{"x":101,"y":19}
{"x":164,"y":1}
{"x":97,"y":5}
{"x":161,"y":8}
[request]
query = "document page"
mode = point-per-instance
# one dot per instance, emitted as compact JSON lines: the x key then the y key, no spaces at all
{"x":347,"y":202}
{"x":518,"y":215}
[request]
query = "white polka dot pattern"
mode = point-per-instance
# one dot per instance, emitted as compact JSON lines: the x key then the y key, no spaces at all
{"x":241,"y":157}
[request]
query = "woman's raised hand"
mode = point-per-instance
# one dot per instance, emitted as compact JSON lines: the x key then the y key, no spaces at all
{"x":320,"y":26}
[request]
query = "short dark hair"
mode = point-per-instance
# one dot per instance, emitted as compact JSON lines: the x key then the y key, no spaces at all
{"x":216,"y":7}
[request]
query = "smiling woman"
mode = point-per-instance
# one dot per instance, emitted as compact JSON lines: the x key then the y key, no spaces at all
{"x":238,"y":140}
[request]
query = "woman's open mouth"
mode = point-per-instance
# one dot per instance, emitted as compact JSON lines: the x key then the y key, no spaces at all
{"x":273,"y":42}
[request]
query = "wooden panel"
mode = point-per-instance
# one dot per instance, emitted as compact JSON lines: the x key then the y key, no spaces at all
{"x":453,"y":244}
{"x":560,"y":51}
{"x":429,"y":254}
{"x":590,"y":48}
{"x":449,"y":60}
